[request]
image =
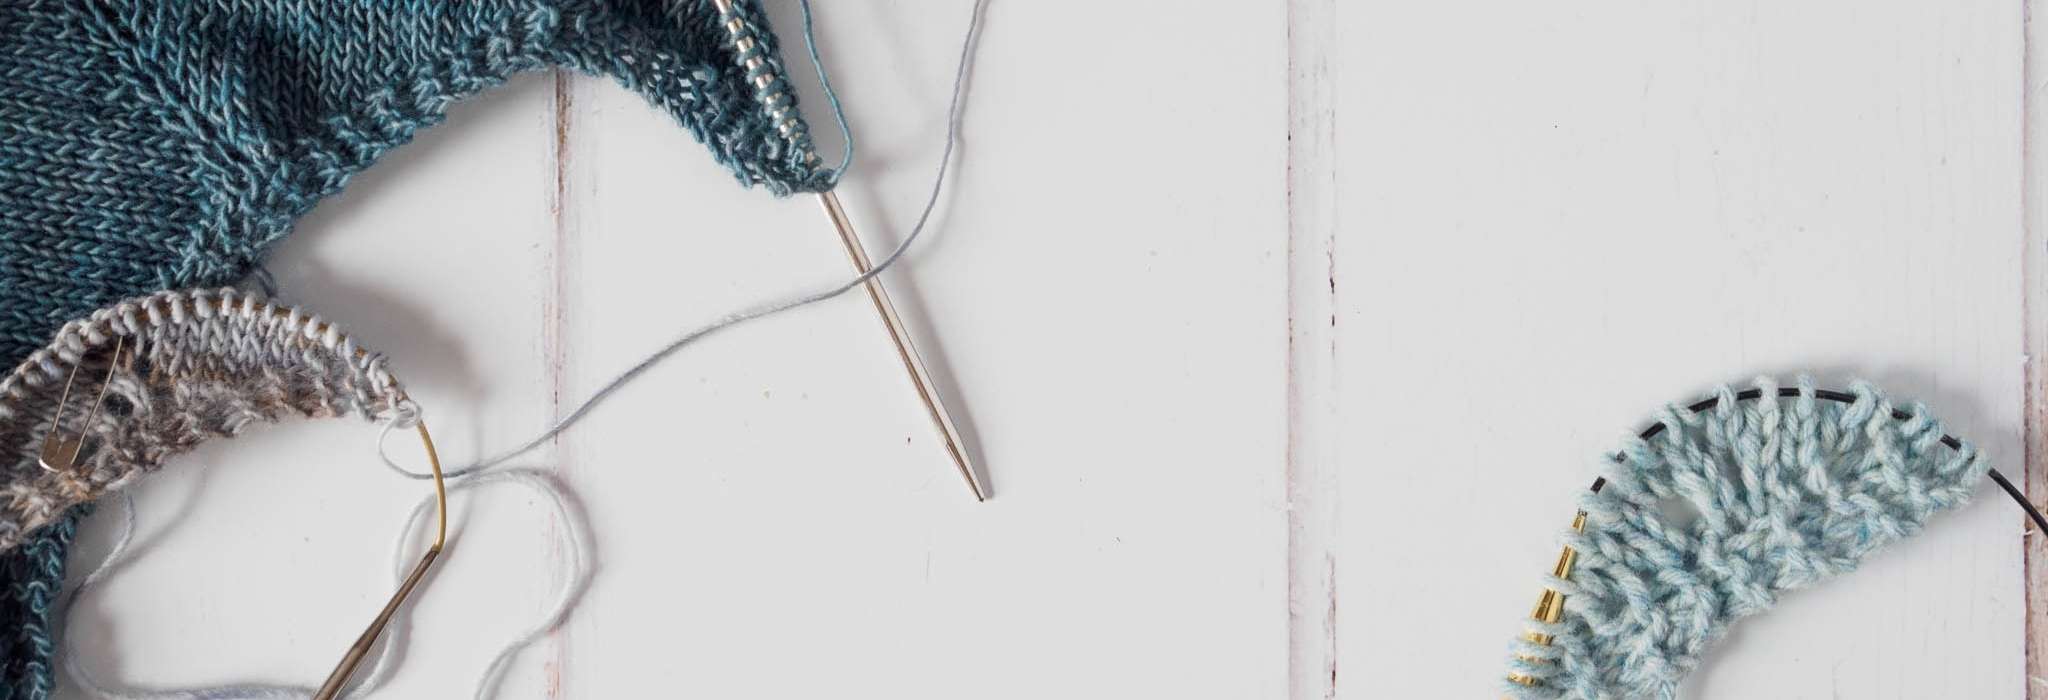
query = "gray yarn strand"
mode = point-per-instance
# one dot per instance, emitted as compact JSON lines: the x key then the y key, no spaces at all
{"x":74,"y":664}
{"x":953,"y":111}
{"x":574,"y":536}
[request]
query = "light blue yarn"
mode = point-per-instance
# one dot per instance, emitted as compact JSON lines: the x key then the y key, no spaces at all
{"x":831,"y":99}
{"x":1788,"y":492}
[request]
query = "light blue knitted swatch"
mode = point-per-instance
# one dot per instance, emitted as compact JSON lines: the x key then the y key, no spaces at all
{"x":1786,"y":492}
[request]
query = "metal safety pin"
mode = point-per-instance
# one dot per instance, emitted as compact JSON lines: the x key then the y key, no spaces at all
{"x":60,"y":451}
{"x":920,"y":379}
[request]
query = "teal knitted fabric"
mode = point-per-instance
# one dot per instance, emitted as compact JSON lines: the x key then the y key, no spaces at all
{"x":161,"y":144}
{"x":1786,"y":492}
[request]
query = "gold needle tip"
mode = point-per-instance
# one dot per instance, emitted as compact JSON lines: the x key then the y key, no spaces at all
{"x":927,"y":391}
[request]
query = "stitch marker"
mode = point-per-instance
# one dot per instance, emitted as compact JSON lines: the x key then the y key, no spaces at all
{"x":912,"y":364}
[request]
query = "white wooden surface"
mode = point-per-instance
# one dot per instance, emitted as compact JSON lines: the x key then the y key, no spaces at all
{"x":1409,"y":268}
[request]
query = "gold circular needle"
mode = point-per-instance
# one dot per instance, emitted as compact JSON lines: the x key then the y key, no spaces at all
{"x":361,"y":649}
{"x":60,"y":452}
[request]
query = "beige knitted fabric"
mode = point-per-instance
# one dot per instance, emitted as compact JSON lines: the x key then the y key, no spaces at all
{"x":194,"y":365}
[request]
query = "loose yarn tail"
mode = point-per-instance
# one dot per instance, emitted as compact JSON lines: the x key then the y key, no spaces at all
{"x":573,"y":537}
{"x":831,"y":98}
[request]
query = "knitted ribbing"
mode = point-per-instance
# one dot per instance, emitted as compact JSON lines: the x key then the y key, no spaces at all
{"x":163,"y":144}
{"x":1786,"y":492}
{"x":193,"y":366}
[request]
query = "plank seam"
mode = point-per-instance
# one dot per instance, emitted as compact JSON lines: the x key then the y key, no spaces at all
{"x":1312,"y":335}
{"x":2034,"y":323}
{"x":555,"y":339}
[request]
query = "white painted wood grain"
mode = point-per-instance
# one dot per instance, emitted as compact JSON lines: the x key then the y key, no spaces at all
{"x":1202,"y":292}
{"x":2034,"y":275}
{"x":1557,"y":219}
{"x":1314,"y":437}
{"x":777,"y":518}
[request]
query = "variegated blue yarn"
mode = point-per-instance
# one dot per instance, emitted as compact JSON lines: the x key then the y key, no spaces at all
{"x":165,"y":144}
{"x":1786,"y":492}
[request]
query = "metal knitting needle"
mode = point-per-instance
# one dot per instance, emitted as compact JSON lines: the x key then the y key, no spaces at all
{"x":905,"y":351}
{"x":360,"y":651}
{"x":914,"y":365}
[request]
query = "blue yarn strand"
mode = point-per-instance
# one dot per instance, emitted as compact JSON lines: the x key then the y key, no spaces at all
{"x":831,"y":98}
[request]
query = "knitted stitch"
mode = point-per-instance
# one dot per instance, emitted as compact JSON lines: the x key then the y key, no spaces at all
{"x":149,"y":144}
{"x":164,"y":144}
{"x":1787,"y":492}
{"x":193,"y":366}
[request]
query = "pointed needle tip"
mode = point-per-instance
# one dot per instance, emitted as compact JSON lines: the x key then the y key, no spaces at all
{"x":913,"y":365}
{"x":973,"y":481}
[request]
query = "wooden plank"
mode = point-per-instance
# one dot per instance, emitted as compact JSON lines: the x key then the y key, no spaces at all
{"x":260,"y":559}
{"x":2034,"y":278}
{"x":1105,"y":298}
{"x":1554,"y":221}
{"x":1313,"y":461}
